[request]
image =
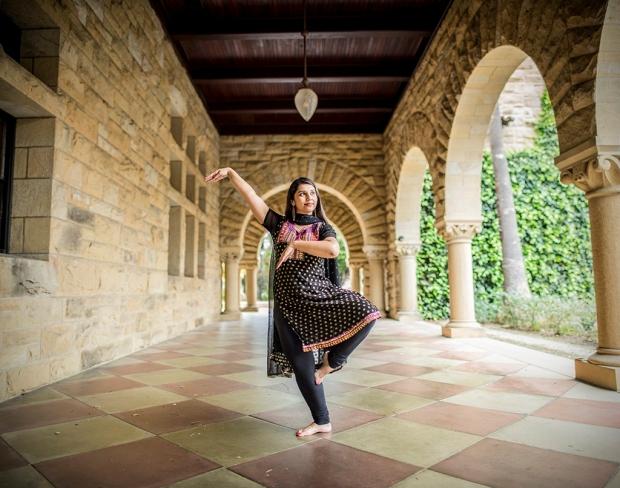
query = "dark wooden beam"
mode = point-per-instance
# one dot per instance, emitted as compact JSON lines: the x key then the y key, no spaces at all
{"x":297,"y":80}
{"x":316,"y":69}
{"x":239,"y":129}
{"x":295,"y":36}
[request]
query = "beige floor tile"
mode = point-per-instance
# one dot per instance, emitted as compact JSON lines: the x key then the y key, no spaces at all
{"x":432,"y":479}
{"x":569,"y":437}
{"x":131,"y":399}
{"x":459,"y":378}
{"x":364,"y":377}
{"x":37,"y":396}
{"x":614,"y":482}
{"x":409,"y":442}
{"x":431,"y":362}
{"x":218,"y":478}
{"x":251,"y":400}
{"x":26,"y":477}
{"x":73,"y":437}
{"x":583,"y":391}
{"x":536,"y":372}
{"x":500,"y":358}
{"x":506,"y":402}
{"x":380,"y":401}
{"x":166,"y":376}
{"x":255,"y":377}
{"x":236,"y":441}
{"x":189,"y":362}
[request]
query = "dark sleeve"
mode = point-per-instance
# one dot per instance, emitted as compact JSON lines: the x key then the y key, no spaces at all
{"x":325,"y":231}
{"x":272,"y":221}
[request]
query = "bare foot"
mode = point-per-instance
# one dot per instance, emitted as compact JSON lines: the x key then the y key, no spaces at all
{"x":313,"y":429}
{"x":323,"y":371}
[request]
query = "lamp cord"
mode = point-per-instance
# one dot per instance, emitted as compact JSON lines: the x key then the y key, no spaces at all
{"x":305,"y":33}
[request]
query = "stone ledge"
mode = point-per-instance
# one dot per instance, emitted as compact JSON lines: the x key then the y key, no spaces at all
{"x":598,"y":375}
{"x":23,"y":94}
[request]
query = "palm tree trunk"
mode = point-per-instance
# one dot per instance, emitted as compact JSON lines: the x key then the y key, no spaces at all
{"x":515,"y":279}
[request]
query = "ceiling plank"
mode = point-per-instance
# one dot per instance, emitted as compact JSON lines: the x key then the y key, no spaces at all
{"x":293,"y":36}
{"x":297,"y":79}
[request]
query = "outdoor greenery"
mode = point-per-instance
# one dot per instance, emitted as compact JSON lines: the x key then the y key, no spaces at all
{"x":554,"y":228}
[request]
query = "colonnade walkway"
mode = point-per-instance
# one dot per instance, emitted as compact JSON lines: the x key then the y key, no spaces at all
{"x":410,"y":409}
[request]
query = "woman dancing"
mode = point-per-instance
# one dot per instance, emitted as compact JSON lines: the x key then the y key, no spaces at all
{"x":315,"y":324}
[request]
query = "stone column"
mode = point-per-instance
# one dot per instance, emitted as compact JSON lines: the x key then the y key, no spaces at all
{"x":355,"y":265}
{"x":407,"y":261}
{"x":251,"y":286}
{"x":596,"y":171}
{"x":231,"y":256}
{"x":376,"y":256}
{"x":463,"y":322}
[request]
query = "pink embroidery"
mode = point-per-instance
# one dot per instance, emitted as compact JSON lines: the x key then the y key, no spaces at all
{"x":289,"y":233}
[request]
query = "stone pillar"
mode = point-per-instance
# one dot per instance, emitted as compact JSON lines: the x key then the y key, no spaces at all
{"x":596,"y":171}
{"x":376,"y":256}
{"x":251,"y":286}
{"x":463,"y":322}
{"x":231,"y":256}
{"x":354,"y":267}
{"x":407,"y":261}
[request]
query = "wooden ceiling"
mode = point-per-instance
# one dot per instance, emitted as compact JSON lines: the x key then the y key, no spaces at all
{"x":245,"y":58}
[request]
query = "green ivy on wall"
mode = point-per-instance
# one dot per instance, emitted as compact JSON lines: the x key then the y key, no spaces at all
{"x":553,"y":224}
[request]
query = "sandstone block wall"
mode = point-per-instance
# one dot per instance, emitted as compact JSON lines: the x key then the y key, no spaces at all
{"x":89,"y":275}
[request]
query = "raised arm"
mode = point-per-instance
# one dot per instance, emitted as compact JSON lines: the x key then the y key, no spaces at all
{"x":257,"y":204}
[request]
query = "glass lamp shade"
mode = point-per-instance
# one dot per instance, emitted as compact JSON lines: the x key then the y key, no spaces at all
{"x":306,"y":102}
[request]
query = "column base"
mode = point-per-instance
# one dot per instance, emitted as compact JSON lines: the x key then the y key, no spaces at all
{"x":409,"y":316}
{"x":230,"y":316}
{"x":251,"y":309}
{"x":462,"y":329}
{"x":597,"y":374}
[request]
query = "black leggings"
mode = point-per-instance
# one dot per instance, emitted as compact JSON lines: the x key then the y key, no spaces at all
{"x":303,"y":363}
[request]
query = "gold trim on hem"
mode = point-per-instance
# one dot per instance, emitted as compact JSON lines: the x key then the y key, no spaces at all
{"x":345,"y":335}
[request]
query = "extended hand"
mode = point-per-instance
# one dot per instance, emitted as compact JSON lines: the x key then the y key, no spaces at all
{"x":217,"y":175}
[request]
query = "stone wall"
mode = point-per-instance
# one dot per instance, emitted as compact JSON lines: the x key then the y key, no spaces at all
{"x":519,"y":106}
{"x":115,"y":150}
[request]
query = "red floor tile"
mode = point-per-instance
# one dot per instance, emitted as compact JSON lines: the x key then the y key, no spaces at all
{"x":606,"y":414}
{"x":149,"y":463}
{"x":155,"y":356}
{"x":425,"y":388}
{"x":176,"y":416}
{"x":234,"y":356}
{"x":92,"y":387}
{"x":325,"y":463}
{"x":506,"y":464}
{"x":490,"y":368}
{"x":135,"y":368}
{"x":532,"y":386}
{"x":9,"y":458}
{"x":46,"y":413}
{"x":472,"y":420}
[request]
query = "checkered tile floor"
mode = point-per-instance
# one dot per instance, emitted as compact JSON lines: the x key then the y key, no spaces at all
{"x":410,"y":409}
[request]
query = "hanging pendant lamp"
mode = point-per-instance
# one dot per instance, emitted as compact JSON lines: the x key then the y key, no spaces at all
{"x":306,"y":100}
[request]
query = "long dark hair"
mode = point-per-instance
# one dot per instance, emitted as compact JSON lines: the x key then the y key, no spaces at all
{"x":290,"y":196}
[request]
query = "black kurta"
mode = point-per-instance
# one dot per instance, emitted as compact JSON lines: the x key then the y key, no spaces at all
{"x":321,"y":313}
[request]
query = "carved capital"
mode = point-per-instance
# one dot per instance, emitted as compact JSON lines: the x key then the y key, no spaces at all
{"x":460,"y":231}
{"x":593,"y":168}
{"x":407,"y":248}
{"x":375,"y":252}
{"x":231,"y":253}
{"x":356,"y":263}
